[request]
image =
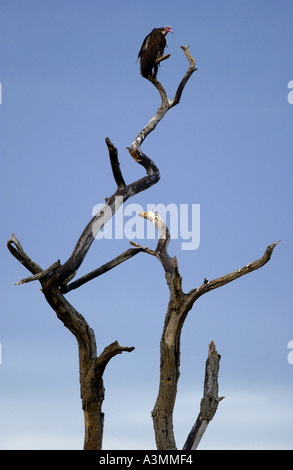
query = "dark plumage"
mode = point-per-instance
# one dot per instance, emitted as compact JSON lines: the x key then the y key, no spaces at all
{"x":152,"y":49}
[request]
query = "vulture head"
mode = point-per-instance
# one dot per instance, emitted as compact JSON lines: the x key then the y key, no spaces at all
{"x":167,"y":29}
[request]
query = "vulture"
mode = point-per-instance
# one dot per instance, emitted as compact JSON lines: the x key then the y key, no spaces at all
{"x":152,"y":49}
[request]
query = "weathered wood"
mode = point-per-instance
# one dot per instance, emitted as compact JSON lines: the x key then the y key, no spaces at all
{"x":186,"y":77}
{"x":55,"y":282}
{"x":40,"y":275}
{"x":91,"y":366}
{"x":207,"y":286}
{"x":163,"y":57}
{"x":115,"y":164}
{"x":102,"y":269}
{"x":209,"y":402}
{"x":166,"y":103}
{"x":67,"y":271}
{"x":18,"y":252}
{"x":178,"y":308}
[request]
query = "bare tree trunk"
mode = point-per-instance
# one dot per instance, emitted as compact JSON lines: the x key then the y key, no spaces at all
{"x":56,"y":282}
{"x":209,"y":402}
{"x":91,"y":367}
{"x":178,"y":308}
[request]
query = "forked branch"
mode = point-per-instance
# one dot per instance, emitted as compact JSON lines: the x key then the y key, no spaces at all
{"x":166,"y":103}
{"x":186,"y":77}
{"x":178,"y":308}
{"x":55,"y":281}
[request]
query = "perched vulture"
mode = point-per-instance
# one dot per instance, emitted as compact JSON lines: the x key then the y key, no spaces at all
{"x":152,"y":49}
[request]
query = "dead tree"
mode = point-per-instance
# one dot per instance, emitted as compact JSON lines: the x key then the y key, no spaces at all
{"x":56,"y":281}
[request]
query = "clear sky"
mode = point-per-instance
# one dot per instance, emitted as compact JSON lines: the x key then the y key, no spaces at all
{"x":70,"y":79}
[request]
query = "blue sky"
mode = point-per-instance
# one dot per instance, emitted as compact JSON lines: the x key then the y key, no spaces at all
{"x":69,"y":79}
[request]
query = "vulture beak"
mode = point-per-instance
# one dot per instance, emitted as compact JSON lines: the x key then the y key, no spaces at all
{"x":168,"y":29}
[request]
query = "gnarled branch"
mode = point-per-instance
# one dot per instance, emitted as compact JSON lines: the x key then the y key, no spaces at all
{"x":56,"y":277}
{"x":18,"y":252}
{"x":55,"y":282}
{"x":207,"y":286}
{"x":186,"y":77}
{"x":166,"y":103}
{"x":178,"y":308}
{"x":68,"y":270}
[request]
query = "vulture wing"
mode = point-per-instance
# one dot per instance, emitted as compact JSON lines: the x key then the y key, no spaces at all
{"x":152,"y":48}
